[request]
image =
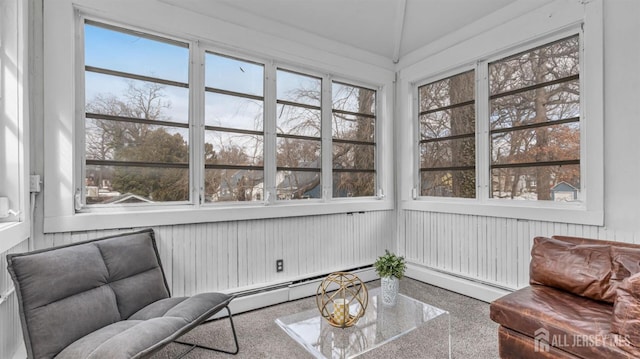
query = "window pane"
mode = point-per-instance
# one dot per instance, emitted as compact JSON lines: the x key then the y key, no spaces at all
{"x":446,"y":123}
{"x":354,"y":128}
{"x":301,"y":121}
{"x":448,"y":153}
{"x":304,"y":119}
{"x":531,"y":113}
{"x":233,"y":101}
{"x":298,"y":153}
{"x":152,"y":158}
{"x":450,"y":91}
{"x":562,"y":101}
{"x":561,"y":142}
{"x":354,"y":119}
{"x":137,"y":185}
{"x":119,"y":96}
{"x":351,"y":156}
{"x":233,"y":185}
{"x":298,"y":88}
{"x":546,"y":63}
{"x":225,"y":73}
{"x":553,"y":183}
{"x":135,"y":54}
{"x":229,"y":148}
{"x":233,"y":112}
{"x":353,"y":99}
{"x":298,"y":185}
{"x":354,"y":184}
{"x":460,"y":184}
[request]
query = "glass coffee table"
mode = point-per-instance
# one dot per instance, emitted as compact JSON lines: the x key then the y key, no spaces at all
{"x":379,"y":325}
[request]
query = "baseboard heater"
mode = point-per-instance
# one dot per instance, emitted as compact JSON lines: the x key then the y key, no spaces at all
{"x":276,"y":293}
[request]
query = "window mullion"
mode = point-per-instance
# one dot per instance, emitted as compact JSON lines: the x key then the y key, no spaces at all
{"x":415,"y":190}
{"x":327,"y":143}
{"x":270,"y":148}
{"x":483,"y":150}
{"x":80,"y":121}
{"x":196,"y":123}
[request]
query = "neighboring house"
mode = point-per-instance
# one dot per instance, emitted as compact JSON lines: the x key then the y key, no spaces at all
{"x":564,"y":192}
{"x":298,"y":184}
{"x":250,"y":182}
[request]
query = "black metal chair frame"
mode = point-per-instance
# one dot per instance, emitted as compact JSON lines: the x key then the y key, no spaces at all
{"x":193,"y":345}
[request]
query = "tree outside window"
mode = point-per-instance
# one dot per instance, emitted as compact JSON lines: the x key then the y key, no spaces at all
{"x":447,"y":122}
{"x":136,"y":121}
{"x":534,"y":100}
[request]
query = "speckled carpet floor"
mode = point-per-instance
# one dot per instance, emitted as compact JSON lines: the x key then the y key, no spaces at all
{"x":473,"y":334}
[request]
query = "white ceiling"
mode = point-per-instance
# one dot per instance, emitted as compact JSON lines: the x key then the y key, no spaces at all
{"x":388,"y":28}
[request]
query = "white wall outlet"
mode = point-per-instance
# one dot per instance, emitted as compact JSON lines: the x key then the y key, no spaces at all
{"x":34,"y":183}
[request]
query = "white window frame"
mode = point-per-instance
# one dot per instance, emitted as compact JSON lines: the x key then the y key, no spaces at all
{"x":60,"y":214}
{"x":80,"y":190}
{"x":587,"y":22}
{"x":379,"y":192}
{"x":15,"y":117}
{"x":272,"y":122}
{"x":416,"y":111}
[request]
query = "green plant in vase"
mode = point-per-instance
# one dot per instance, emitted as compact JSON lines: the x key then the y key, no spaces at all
{"x":390,"y":268}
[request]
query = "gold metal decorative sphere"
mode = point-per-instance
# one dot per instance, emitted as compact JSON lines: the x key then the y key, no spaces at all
{"x":342,"y":299}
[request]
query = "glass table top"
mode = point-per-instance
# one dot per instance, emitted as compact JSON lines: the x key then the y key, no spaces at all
{"x":380,"y":324}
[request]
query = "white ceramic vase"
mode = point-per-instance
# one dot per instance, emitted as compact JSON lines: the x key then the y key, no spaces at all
{"x":389,"y":287}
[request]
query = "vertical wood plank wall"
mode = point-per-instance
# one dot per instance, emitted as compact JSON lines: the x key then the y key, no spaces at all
{"x":238,"y":254}
{"x":486,"y":249}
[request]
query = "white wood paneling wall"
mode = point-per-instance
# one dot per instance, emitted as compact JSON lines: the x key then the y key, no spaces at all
{"x":10,"y":330}
{"x":492,"y":250}
{"x":224,"y":256}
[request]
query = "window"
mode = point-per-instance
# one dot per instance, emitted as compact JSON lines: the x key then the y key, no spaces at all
{"x":533,"y":122}
{"x":447,"y":125}
{"x":153,"y":137}
{"x":14,"y":124}
{"x":299,"y":136}
{"x":137,"y":145}
{"x":534,"y":101}
{"x":234,"y":129}
{"x":354,"y":140}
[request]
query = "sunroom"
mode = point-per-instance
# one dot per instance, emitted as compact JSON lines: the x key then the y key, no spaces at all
{"x":269,"y":144}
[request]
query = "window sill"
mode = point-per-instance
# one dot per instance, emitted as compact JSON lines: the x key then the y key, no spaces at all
{"x":137,"y":217}
{"x":548,"y":212}
{"x":12,"y":233}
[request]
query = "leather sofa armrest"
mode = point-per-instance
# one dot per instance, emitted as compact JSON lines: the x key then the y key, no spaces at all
{"x":626,"y":310}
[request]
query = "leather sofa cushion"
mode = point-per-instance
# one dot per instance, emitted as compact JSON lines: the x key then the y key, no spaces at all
{"x":626,"y":312}
{"x":625,"y":261}
{"x":582,"y":240}
{"x":566,"y":317}
{"x":581,"y":269}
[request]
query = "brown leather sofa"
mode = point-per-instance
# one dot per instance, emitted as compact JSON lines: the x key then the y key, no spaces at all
{"x":583,"y":302}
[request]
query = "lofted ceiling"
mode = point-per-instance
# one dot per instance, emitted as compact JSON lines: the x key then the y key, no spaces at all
{"x":387,"y":28}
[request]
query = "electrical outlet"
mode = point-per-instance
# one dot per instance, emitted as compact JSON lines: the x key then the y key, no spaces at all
{"x":279,"y":265}
{"x":34,"y":183}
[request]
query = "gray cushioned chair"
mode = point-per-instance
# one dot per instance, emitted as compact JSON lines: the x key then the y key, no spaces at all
{"x":104,"y":298}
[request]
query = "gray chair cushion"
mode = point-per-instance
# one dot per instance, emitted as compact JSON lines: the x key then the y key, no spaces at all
{"x":122,"y":340}
{"x":74,"y":299}
{"x":149,"y":329}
